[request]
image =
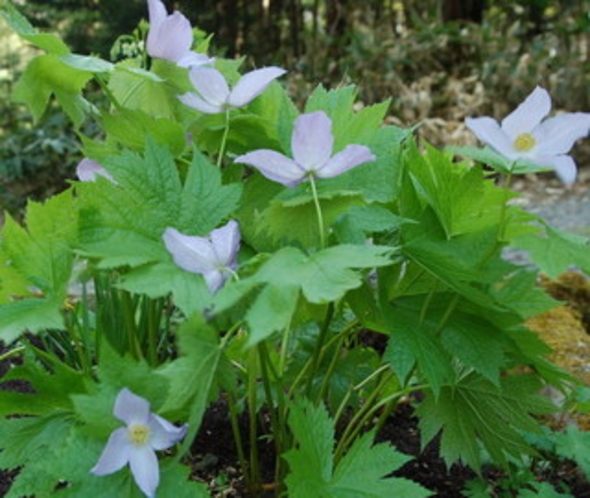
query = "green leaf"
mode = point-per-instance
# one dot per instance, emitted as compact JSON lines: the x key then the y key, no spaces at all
{"x":31,"y":443}
{"x":475,"y":411}
{"x":140,"y":90}
{"x":321,"y":277}
{"x":467,"y":263}
{"x":463,"y":201}
{"x":574,"y":444}
{"x":556,"y":251}
{"x":294,"y":219}
{"x":31,"y":314}
{"x":130,"y":128}
{"x":52,"y":387}
{"x":204,"y":201}
{"x":410,"y":343}
{"x":358,"y":222}
{"x":41,"y":254}
{"x":502,"y":164}
{"x":278,"y":109}
{"x":45,"y":41}
{"x":47,"y":75}
{"x":160,"y":279}
{"x":12,"y":282}
{"x":380,"y":180}
{"x":360,"y":473}
{"x":87,"y":63}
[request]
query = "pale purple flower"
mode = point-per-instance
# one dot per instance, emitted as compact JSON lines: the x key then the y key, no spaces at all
{"x":214,"y":95}
{"x":312,"y":144}
{"x":213,"y":256}
{"x":87,"y":171}
{"x":170,"y":37}
{"x":524,"y":135}
{"x":135,"y":444}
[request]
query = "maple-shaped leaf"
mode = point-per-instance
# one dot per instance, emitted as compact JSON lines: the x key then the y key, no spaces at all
{"x":475,"y":412}
{"x":361,"y":472}
{"x":320,"y":277}
{"x":47,"y":75}
{"x":463,"y":200}
{"x":41,"y":254}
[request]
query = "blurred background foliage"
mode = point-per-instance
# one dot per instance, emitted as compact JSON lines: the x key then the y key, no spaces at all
{"x":439,"y":61}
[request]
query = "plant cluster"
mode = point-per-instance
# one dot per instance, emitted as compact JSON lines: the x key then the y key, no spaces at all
{"x":219,"y":243}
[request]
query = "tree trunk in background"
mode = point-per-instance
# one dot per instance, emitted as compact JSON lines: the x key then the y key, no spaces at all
{"x":463,"y":10}
{"x":337,"y":28}
{"x":227,"y":25}
{"x":296,"y":27}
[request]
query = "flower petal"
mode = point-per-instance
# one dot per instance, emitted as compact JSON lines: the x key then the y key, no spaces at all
{"x":193,"y":100}
{"x":190,"y":252}
{"x":564,"y":167}
{"x":215,"y":279}
{"x":226,"y":242}
{"x":169,"y":37}
{"x":157,"y":13}
{"x":163,"y":434}
{"x":194,"y":59}
{"x":557,"y":135}
{"x":350,"y":157}
{"x":115,"y":454}
{"x":253,"y":84}
{"x":528,"y":114}
{"x":175,"y":37}
{"x":312,"y":140}
{"x":130,"y":408}
{"x":210,"y":84}
{"x":274,"y":166}
{"x":490,"y":133}
{"x":87,"y":170}
{"x":144,"y":466}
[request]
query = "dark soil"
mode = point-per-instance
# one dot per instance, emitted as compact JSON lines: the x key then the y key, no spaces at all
{"x":214,"y":455}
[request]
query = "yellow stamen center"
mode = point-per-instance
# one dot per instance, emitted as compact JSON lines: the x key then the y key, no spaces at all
{"x":524,"y":142}
{"x":139,"y":434}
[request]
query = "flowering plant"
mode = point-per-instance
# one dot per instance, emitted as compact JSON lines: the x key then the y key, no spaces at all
{"x":171,"y":276}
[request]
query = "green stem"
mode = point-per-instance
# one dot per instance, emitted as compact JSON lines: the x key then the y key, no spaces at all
{"x":105,"y":88}
{"x":12,"y":352}
{"x":304,"y":371}
{"x":252,"y":389}
{"x":502,"y":218}
{"x":506,"y":189}
{"x":235,"y":426}
{"x":318,"y":347}
{"x":265,"y":365}
{"x":331,"y":368}
{"x":133,"y":344}
{"x":318,"y":210}
{"x":361,"y":417}
{"x":154,"y":309}
{"x":223,"y":140}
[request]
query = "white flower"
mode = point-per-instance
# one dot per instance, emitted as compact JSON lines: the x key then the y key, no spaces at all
{"x":213,"y":256}
{"x":136,"y":443}
{"x":524,"y":135}
{"x":312,"y":146}
{"x":214,"y":95}
{"x":170,"y":37}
